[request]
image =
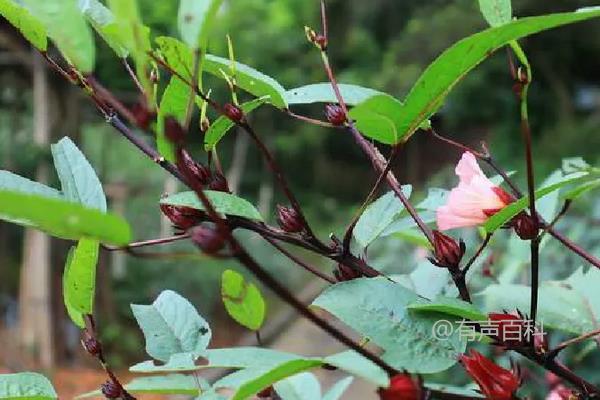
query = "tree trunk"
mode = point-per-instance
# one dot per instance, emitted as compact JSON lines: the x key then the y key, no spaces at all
{"x":35,"y":313}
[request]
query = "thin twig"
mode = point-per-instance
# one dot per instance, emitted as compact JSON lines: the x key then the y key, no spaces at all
{"x":475,"y":256}
{"x":557,"y":217}
{"x":133,"y":76}
{"x":308,"y":119}
{"x":150,"y":242}
{"x":560,"y":347}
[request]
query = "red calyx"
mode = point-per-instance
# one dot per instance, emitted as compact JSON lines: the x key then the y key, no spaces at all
{"x":447,"y":251}
{"x":345,"y":273}
{"x":335,"y":115}
{"x":208,"y":239}
{"x":233,"y":112}
{"x":174,"y":131}
{"x":289,"y":220}
{"x":503,"y":195}
{"x":219,"y":183}
{"x":91,"y":345}
{"x":111,"y":390}
{"x":182,"y":217}
{"x":196,"y":170}
{"x":512,"y":329}
{"x":143,"y":116}
{"x":265,"y":393}
{"x":525,"y":226}
{"x":494,"y":381}
{"x":402,"y":387}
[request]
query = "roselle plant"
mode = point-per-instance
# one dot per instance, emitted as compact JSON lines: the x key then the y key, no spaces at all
{"x":401,"y":321}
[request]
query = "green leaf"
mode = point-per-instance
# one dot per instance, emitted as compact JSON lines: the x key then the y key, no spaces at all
{"x":496,"y":12}
{"x":243,"y":300}
{"x":323,"y":93}
{"x":30,"y":27}
{"x":26,"y":385}
{"x":173,"y":384}
{"x":79,"y":284}
{"x":68,"y":29}
{"x":582,"y":189}
{"x":179,"y":57}
{"x":195,"y":19}
{"x":376,"y":309}
{"x":173,"y":103}
{"x":79,"y":181}
{"x":103,"y":21}
{"x":63,"y":219}
{"x":358,"y":365}
{"x":172,"y":325}
{"x":378,"y":216}
{"x":178,"y":362}
{"x":274,"y":375}
{"x":507,"y":213}
{"x":450,"y":306}
{"x":560,"y":307}
{"x":224,"y":203}
{"x":16,"y":183}
{"x":377,"y":118}
{"x":429,"y":92}
{"x":338,"y":389}
{"x":302,"y":386}
{"x":471,"y":391}
{"x":222,"y":125}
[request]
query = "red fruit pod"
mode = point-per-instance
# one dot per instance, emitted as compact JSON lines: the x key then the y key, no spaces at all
{"x":402,"y":387}
{"x":289,"y":220}
{"x":182,"y":217}
{"x":111,"y":390}
{"x":335,"y":115}
{"x":196,"y":170}
{"x":494,"y":381}
{"x":233,"y":112}
{"x":219,"y":183}
{"x":448,"y":252}
{"x":525,"y":226}
{"x":208,"y":239}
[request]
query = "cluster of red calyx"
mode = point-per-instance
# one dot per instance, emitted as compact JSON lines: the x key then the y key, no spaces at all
{"x":494,"y":381}
{"x":402,"y":387}
{"x":345,"y":273}
{"x":143,"y":115}
{"x":111,"y":390}
{"x":512,"y":329}
{"x":207,"y":238}
{"x":335,"y":115}
{"x":182,"y":218}
{"x":289,"y":220}
{"x":447,"y":252}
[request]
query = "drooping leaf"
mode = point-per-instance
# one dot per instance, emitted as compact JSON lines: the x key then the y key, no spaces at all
{"x":178,"y":362}
{"x":224,"y":203}
{"x":103,"y":21}
{"x":62,"y":218}
{"x":496,"y":12}
{"x":173,"y":103}
{"x":378,"y":216}
{"x":30,"y":27}
{"x":358,"y":365}
{"x":450,"y":306}
{"x":243,"y":300}
{"x":508,"y":212}
{"x":173,"y":384}
{"x":377,"y":118}
{"x":79,"y":282}
{"x":222,"y":125}
{"x":471,"y":391}
{"x":582,"y":189}
{"x":27,"y":386}
{"x":274,"y":375}
{"x":337,"y":390}
{"x":17,"y":183}
{"x":302,"y":386}
{"x":376,"y":308}
{"x":79,"y":181}
{"x":194,"y":20}
{"x":179,"y":57}
{"x":68,"y":29}
{"x":323,"y":93}
{"x":429,"y":92}
{"x":172,"y":325}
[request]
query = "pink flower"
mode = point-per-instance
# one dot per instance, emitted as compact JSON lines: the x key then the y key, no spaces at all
{"x":474,"y":199}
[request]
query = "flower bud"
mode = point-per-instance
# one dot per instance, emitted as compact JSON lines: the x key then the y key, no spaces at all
{"x":402,"y":386}
{"x":91,"y":345}
{"x":315,"y":38}
{"x":111,"y":390}
{"x":447,"y":251}
{"x":345,"y":273}
{"x":265,"y":393}
{"x":174,"y":131}
{"x":289,"y":220}
{"x":208,"y":239}
{"x":525,"y":226}
{"x":335,"y":115}
{"x":219,"y":183}
{"x":182,"y":217}
{"x":233,"y":112}
{"x":201,"y":173}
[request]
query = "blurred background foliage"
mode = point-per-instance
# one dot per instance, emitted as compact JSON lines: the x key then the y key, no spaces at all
{"x":382,"y":44}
